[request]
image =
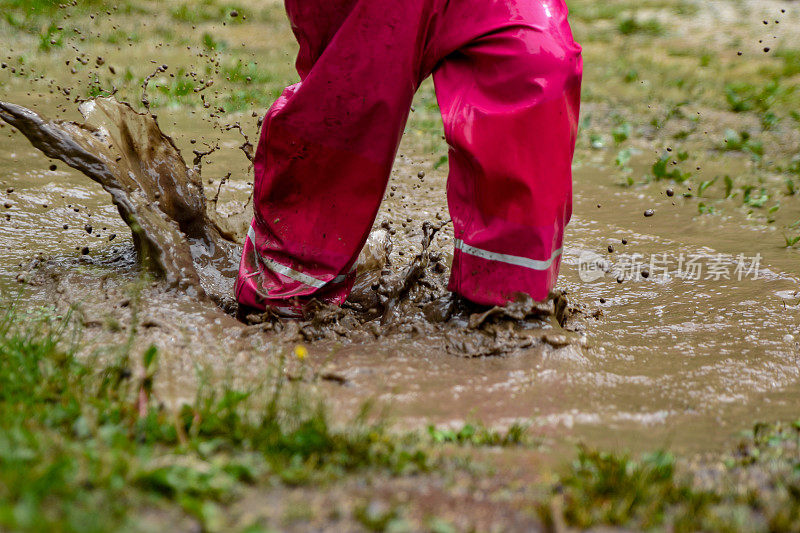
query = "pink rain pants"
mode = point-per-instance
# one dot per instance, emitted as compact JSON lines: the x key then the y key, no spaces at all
{"x":507,"y":76}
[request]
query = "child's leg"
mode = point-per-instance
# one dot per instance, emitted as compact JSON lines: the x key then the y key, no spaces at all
{"x":510,"y":97}
{"x":327,"y":147}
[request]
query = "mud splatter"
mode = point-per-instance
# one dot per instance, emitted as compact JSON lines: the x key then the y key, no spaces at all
{"x":161,"y":199}
{"x":179,"y":235}
{"x":414,"y":300}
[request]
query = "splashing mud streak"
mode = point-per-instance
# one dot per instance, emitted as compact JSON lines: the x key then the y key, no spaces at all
{"x":161,"y":199}
{"x":158,"y":196}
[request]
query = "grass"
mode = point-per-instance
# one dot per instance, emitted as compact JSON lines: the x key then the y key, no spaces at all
{"x":667,"y":167}
{"x":746,"y":96}
{"x":755,"y":487}
{"x":631,"y":25}
{"x":38,"y":7}
{"x":791,"y":61}
{"x":35,"y":16}
{"x":479,"y":435}
{"x":84,"y":445}
{"x":208,"y":11}
{"x":743,"y":142}
{"x":608,"y":489}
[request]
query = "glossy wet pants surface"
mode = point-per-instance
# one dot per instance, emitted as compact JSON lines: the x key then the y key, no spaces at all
{"x":507,"y":76}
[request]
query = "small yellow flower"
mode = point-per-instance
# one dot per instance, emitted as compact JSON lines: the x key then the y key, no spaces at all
{"x":300,"y":352}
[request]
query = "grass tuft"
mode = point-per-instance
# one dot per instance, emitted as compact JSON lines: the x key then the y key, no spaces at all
{"x":82,"y":443}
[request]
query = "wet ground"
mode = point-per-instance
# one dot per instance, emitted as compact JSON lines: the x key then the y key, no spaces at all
{"x":645,"y":360}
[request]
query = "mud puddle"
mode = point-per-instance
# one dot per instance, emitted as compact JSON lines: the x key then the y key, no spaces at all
{"x":181,"y":238}
{"x":651,"y":361}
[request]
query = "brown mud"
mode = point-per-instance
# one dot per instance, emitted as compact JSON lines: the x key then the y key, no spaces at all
{"x":179,"y":236}
{"x":674,"y":356}
{"x":175,"y":233}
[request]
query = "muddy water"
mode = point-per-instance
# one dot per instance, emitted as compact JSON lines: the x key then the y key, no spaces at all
{"x":175,"y":232}
{"x":647,"y":362}
{"x":685,"y":356}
